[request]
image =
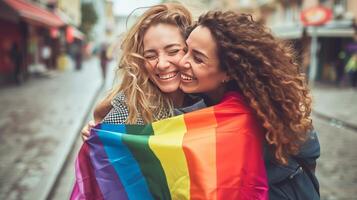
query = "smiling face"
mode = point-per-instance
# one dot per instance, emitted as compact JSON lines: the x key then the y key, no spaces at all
{"x":200,"y":70}
{"x":163,"y":49}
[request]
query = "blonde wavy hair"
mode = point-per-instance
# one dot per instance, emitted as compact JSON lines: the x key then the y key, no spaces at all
{"x":264,"y":70}
{"x":143,"y":97}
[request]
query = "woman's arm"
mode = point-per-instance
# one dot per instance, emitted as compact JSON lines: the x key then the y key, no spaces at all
{"x":310,"y":150}
{"x":102,"y":109}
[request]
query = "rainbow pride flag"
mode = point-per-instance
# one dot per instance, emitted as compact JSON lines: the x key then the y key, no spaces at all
{"x":213,"y":153}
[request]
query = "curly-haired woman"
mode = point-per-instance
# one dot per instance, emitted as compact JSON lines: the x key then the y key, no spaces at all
{"x":229,"y":54}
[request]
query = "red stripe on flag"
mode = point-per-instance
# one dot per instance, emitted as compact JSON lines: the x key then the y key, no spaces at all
{"x":240,"y":166}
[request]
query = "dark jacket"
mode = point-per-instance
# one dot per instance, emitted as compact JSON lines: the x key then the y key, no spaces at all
{"x":293,"y":181}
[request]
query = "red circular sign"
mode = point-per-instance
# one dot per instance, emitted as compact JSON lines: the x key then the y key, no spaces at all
{"x":315,"y":16}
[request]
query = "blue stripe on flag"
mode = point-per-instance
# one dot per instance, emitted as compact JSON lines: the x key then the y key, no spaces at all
{"x":123,"y":161}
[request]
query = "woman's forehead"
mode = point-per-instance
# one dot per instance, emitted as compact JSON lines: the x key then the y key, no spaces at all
{"x":202,"y":39}
{"x":162,"y":34}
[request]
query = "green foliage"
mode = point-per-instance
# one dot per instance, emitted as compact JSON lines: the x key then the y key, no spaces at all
{"x":89,"y":18}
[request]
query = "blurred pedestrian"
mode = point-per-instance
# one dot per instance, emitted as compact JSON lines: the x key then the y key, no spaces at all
{"x":351,"y":69}
{"x":305,"y":54}
{"x":103,"y":60}
{"x":78,"y":54}
{"x":17,"y":59}
{"x":46,"y":54}
{"x":340,"y":67}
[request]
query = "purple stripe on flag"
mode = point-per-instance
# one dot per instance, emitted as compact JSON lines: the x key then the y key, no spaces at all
{"x":86,"y":186}
{"x":110,"y":185}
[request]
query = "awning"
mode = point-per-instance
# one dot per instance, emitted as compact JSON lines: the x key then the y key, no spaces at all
{"x":336,"y":29}
{"x":333,"y":32}
{"x":34,"y":14}
{"x":288,"y":32}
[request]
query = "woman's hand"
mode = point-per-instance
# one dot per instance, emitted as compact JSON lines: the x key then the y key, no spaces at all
{"x":85,"y":132}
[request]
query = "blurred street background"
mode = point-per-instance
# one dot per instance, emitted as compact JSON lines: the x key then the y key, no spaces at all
{"x":58,"y":58}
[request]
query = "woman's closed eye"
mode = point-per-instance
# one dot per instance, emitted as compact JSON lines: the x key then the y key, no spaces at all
{"x":173,"y":52}
{"x":150,"y":57}
{"x":197,"y":59}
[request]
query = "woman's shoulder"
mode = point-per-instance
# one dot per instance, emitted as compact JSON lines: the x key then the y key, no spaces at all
{"x":119,"y":100}
{"x":192,"y":103}
{"x":119,"y":112}
{"x":235,"y":102}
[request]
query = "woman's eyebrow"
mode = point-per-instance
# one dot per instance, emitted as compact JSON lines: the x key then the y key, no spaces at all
{"x":149,"y":51}
{"x":165,"y":48}
{"x":172,"y":45}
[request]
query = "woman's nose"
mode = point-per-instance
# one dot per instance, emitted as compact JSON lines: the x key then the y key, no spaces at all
{"x":184,"y":64}
{"x":162,"y":63}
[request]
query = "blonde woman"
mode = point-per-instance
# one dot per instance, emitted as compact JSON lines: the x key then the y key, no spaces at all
{"x":149,"y":89}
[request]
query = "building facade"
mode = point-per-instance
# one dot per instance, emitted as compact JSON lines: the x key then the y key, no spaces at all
{"x":26,"y":40}
{"x":322,"y":51}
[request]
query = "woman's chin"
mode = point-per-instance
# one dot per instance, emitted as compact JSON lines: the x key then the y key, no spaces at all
{"x":189,"y":90}
{"x":170,"y":88}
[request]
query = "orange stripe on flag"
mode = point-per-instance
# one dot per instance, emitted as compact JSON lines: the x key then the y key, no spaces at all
{"x":199,"y":147}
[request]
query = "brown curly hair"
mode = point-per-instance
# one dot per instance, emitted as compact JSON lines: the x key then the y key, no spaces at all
{"x":264,"y":70}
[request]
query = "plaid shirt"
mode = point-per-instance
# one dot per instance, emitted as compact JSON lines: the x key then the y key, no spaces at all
{"x":120,"y":113}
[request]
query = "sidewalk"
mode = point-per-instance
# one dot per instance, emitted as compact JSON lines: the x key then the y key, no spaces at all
{"x":64,"y":184}
{"x":39,"y":121}
{"x":339,"y":105}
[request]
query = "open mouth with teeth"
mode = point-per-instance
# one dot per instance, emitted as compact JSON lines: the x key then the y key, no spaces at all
{"x":185,"y":77}
{"x":167,"y":76}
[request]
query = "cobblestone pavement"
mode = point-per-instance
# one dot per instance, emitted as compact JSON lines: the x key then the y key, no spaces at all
{"x":336,"y":103}
{"x":36,"y":122}
{"x":337,"y":166}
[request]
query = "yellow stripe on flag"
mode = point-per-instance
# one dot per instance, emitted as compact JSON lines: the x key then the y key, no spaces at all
{"x":168,"y":149}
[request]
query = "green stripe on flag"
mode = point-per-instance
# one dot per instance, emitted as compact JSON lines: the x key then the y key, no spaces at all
{"x":136,"y":140}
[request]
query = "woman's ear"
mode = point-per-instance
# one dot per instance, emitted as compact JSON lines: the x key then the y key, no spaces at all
{"x":226,"y":78}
